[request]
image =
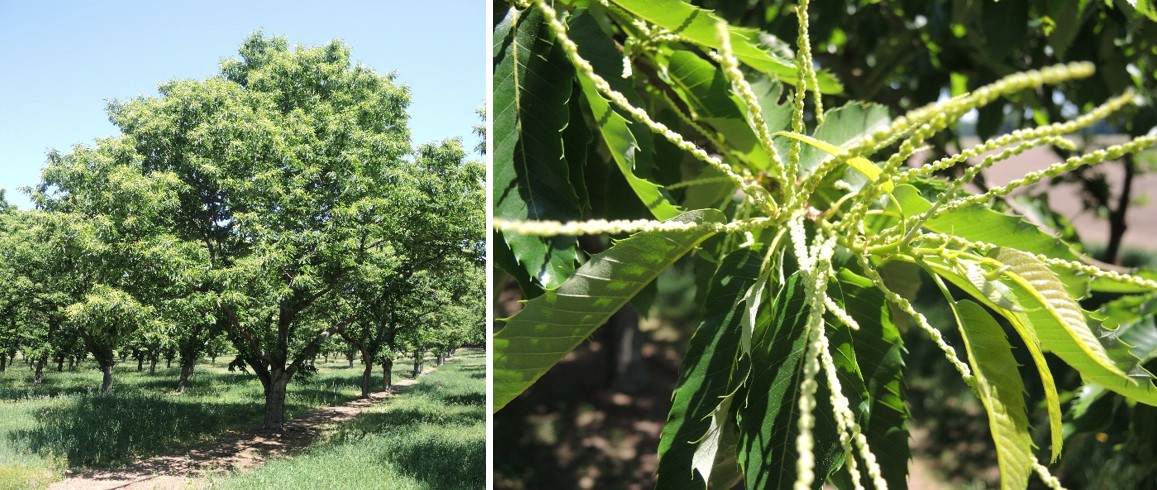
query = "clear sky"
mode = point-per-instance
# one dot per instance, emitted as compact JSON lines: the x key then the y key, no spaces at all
{"x":60,"y":62}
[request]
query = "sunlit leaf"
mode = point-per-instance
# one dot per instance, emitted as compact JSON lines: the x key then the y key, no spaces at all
{"x":707,"y":371}
{"x":1000,"y":390}
{"x":698,"y":26}
{"x":551,"y":325}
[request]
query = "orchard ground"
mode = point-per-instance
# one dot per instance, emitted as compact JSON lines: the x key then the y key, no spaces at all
{"x":432,"y":435}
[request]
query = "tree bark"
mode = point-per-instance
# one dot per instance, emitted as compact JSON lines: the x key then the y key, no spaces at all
{"x":140,"y":363}
{"x":60,"y":364}
{"x":106,"y":378}
{"x":367,"y":376}
{"x":3,"y":361}
{"x":187,"y":365}
{"x":275,"y":390}
{"x":1117,"y":223}
{"x":388,"y":374}
{"x":418,"y":355}
{"x":153,"y":364}
{"x":38,"y":375}
{"x":627,"y":371}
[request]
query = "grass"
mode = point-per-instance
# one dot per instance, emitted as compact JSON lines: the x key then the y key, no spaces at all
{"x":431,"y":437}
{"x":64,"y":423}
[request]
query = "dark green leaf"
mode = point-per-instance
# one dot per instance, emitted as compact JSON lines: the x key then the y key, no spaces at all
{"x":880,"y":354}
{"x":532,"y":83}
{"x":616,"y":131}
{"x":551,"y":325}
{"x":707,"y":371}
{"x":768,"y":424}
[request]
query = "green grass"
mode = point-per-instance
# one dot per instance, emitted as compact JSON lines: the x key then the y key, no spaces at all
{"x":64,"y":423}
{"x":433,"y":436}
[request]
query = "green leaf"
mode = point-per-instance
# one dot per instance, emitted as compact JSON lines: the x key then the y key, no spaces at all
{"x":767,"y":426}
{"x":707,"y":371}
{"x":1000,"y":390}
{"x":841,"y":126}
{"x":1067,"y":15}
{"x":980,"y":224}
{"x":880,"y":355}
{"x":1060,"y":324}
{"x":698,"y":26}
{"x":707,"y":93}
{"x":615,"y":129}
{"x":551,"y":325}
{"x":1004,"y":26}
{"x":532,"y":83}
{"x":1027,"y":333}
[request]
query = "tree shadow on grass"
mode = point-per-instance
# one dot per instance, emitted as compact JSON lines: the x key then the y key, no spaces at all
{"x":94,"y":430}
{"x":443,"y":448}
{"x":442,"y":459}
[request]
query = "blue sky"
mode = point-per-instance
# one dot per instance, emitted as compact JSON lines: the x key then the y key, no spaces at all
{"x":62,"y":61}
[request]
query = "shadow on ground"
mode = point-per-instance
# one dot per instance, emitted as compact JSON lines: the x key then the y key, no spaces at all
{"x":95,"y":430}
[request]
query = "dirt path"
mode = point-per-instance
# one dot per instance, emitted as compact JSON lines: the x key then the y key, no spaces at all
{"x":233,"y":451}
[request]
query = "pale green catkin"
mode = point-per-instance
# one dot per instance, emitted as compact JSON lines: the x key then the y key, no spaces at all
{"x":921,"y":320}
{"x":1090,"y":270}
{"x":1055,"y":129}
{"x":814,"y":275}
{"x":731,"y":69}
{"x":850,"y":430}
{"x":902,"y":126}
{"x":1111,"y":153}
{"x":912,"y":224}
{"x":549,"y":228}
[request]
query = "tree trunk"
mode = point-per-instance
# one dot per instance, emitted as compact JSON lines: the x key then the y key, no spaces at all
{"x":72,"y":362}
{"x":153,"y":364}
{"x":275,"y":400}
{"x":418,"y":354}
{"x":140,"y":363}
{"x":1117,"y":223}
{"x":168,"y":362}
{"x":187,"y":365}
{"x":38,"y":374}
{"x":3,"y":362}
{"x":60,"y":364}
{"x":388,"y":374}
{"x":440,"y":359}
{"x":367,"y":376}
{"x":627,"y":371}
{"x":106,"y":379}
